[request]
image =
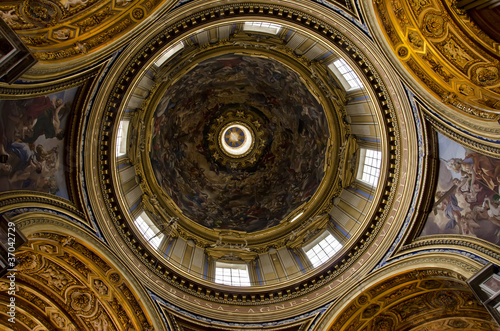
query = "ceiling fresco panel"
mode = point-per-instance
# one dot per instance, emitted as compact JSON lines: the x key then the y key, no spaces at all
{"x":467,"y":194}
{"x":32,"y":147}
{"x":237,"y":193}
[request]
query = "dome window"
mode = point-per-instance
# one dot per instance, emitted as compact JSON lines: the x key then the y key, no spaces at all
{"x":148,"y":230}
{"x":322,"y":249}
{"x":171,"y":51}
{"x":344,"y":72}
{"x":233,"y":274}
{"x":236,"y":139}
{"x":265,"y":27}
{"x":121,"y":138}
{"x":369,"y":167}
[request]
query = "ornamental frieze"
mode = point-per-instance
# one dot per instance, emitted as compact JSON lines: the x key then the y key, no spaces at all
{"x":65,"y":285}
{"x":62,"y":30}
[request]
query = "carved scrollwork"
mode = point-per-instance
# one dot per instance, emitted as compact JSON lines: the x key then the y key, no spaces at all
{"x":455,"y":67}
{"x":69,"y":289}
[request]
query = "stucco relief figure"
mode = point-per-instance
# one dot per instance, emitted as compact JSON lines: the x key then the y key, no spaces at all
{"x":467,"y":197}
{"x":55,"y":277}
{"x":49,"y":249}
{"x":347,"y":161}
{"x":27,"y":262}
{"x":487,"y":76}
{"x":456,"y":53}
{"x":73,"y":3}
{"x":62,"y":34}
{"x":10,"y":17}
{"x":58,"y":320}
{"x":101,"y":324}
{"x":122,"y":3}
{"x":100,"y":287}
{"x":4,"y":286}
{"x":32,"y":135}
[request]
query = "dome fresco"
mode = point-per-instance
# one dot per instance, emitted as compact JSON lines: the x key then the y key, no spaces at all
{"x":280,"y":172}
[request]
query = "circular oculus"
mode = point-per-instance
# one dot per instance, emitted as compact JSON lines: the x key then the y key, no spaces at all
{"x":236,"y":140}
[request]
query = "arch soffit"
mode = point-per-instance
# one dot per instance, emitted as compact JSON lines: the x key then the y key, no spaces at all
{"x":71,"y":270}
{"x":388,"y":294}
{"x":441,"y":53}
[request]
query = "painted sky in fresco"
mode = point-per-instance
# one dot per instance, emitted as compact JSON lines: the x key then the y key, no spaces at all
{"x":467,"y":199}
{"x":32,"y":136}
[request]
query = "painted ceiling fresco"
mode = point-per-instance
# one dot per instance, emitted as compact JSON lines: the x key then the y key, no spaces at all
{"x":467,"y":200}
{"x":292,"y":135}
{"x":32,"y":135}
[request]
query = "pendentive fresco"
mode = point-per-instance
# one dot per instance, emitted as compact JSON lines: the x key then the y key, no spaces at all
{"x":32,"y":135}
{"x":467,"y":199}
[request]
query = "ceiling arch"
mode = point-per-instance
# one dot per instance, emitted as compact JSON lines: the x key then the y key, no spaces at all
{"x":422,"y":299}
{"x":76,"y":32}
{"x":63,"y":284}
{"x":445,"y":52}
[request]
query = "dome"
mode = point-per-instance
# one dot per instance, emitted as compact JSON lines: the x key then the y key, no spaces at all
{"x":231,"y":150}
{"x":242,"y":148}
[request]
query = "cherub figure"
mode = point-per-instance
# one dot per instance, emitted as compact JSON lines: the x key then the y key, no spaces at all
{"x":10,"y":17}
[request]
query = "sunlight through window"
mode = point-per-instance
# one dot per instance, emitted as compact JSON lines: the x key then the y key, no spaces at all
{"x":369,"y":168}
{"x":352,"y":81}
{"x":121,"y":138}
{"x":148,"y":230}
{"x":232,"y":274}
{"x":323,"y":248}
{"x":262,"y":27}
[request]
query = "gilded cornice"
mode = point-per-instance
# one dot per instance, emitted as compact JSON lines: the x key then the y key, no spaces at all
{"x":491,"y":150}
{"x":75,"y":31}
{"x":20,"y":91}
{"x":443,"y":58}
{"x":475,"y":246}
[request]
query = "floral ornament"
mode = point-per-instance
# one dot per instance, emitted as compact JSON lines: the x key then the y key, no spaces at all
{"x":81,"y":301}
{"x":433,"y":25}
